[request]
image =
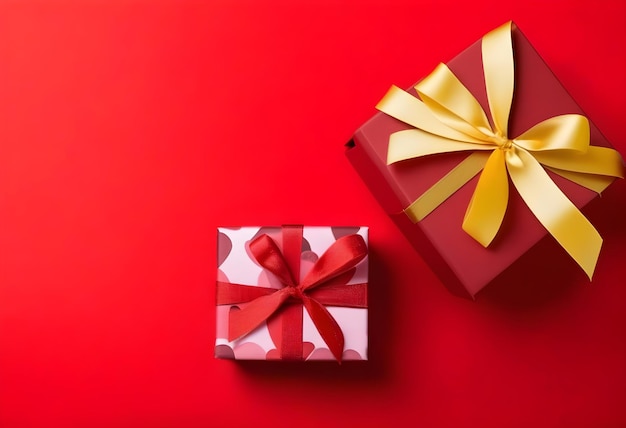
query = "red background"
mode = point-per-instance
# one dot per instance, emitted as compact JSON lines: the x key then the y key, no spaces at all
{"x":129,"y":130}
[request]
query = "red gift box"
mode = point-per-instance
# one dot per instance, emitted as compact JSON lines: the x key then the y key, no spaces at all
{"x":463,"y":264}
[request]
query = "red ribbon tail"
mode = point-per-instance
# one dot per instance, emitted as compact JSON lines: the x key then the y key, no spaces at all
{"x":347,"y":296}
{"x":231,"y":294}
{"x":291,"y":329}
{"x":326,"y":325}
{"x":246,"y":319}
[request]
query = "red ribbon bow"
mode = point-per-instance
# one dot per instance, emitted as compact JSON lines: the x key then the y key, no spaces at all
{"x":325,"y":284}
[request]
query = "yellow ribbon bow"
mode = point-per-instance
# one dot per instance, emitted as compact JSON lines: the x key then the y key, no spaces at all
{"x":449,"y":119}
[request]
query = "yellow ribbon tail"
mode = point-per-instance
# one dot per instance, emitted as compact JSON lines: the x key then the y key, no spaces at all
{"x":446,"y":186}
{"x":597,"y":183}
{"x":596,"y":160}
{"x":595,"y":169}
{"x":486,"y":209}
{"x":555,"y":212}
{"x":413,"y":143}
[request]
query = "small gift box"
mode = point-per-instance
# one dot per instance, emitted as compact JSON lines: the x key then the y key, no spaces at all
{"x":292,"y":293}
{"x":491,"y":132}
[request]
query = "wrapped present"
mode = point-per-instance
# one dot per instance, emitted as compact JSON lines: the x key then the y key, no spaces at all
{"x":292,"y":293}
{"x":482,"y":159}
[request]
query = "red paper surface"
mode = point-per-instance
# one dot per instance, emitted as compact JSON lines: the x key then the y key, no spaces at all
{"x":130,"y":130}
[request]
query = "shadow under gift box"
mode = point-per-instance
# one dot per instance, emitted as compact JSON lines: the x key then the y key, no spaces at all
{"x":461,"y":263}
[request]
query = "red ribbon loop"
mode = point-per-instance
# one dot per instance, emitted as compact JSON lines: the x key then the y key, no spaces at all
{"x":326,"y":282}
{"x":345,"y":253}
{"x":268,"y":255}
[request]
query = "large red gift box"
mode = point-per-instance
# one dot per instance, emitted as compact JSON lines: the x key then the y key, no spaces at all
{"x":464,"y":265}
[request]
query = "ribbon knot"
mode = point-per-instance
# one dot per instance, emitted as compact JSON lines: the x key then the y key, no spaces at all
{"x":503,"y":143}
{"x":295,"y":293}
{"x":448,"y":118}
{"x":324,"y":285}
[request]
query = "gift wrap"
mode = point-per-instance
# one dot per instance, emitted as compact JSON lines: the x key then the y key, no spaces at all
{"x":482,"y":159}
{"x":292,"y":293}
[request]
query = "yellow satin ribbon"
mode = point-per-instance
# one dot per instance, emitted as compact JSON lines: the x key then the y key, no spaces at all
{"x":449,"y":119}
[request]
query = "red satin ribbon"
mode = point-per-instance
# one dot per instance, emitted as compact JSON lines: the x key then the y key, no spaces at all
{"x":324,"y":285}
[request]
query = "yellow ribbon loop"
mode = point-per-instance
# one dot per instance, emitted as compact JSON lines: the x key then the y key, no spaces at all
{"x":448,"y":118}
